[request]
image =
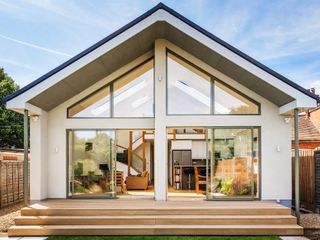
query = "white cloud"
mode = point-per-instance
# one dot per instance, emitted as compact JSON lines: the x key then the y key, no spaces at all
{"x":15,"y":63}
{"x":34,"y":46}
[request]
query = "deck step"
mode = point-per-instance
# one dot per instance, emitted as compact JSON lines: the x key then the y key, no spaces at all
{"x":145,"y":211}
{"x":157,"y":219}
{"x":46,"y":230}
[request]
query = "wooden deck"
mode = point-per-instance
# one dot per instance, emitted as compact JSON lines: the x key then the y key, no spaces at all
{"x":149,"y":217}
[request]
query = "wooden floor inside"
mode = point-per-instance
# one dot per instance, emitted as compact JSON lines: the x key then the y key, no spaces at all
{"x":149,"y":217}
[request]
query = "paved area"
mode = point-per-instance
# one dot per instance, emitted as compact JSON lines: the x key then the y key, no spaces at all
{"x":22,"y":238}
{"x":294,"y":238}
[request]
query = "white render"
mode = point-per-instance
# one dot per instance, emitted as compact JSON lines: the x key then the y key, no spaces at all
{"x":275,"y":135}
{"x":48,"y":133}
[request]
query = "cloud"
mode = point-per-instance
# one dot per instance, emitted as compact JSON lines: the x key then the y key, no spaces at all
{"x":15,"y":63}
{"x":35,"y":46}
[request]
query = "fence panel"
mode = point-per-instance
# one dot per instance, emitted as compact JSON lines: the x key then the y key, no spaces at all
{"x":307,"y":179}
{"x":11,"y":182}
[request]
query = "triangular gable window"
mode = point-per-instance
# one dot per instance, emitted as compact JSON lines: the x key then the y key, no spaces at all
{"x":229,"y":101}
{"x":191,"y":91}
{"x":131,"y":95}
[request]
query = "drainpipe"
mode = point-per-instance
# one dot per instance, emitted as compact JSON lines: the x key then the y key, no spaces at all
{"x":25,"y":159}
{"x":296,"y":163}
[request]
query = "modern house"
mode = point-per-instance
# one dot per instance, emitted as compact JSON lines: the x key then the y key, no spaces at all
{"x":161,"y":110}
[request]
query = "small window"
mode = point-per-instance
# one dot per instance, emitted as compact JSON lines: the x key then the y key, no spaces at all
{"x":94,"y":106}
{"x":189,"y":89}
{"x":228,"y":101}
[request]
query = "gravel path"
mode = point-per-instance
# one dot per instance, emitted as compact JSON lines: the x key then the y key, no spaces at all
{"x":310,"y":220}
{"x":7,"y":216}
{"x":311,"y":224}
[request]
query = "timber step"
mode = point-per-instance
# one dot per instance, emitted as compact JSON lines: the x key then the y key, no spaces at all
{"x":153,"y":211}
{"x":157,"y":219}
{"x":146,"y":217}
{"x":45,"y":230}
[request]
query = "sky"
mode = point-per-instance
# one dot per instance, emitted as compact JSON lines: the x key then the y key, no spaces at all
{"x":38,"y":35}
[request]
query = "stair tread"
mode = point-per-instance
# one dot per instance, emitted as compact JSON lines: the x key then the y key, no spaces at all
{"x":265,"y":226}
{"x":159,"y":216}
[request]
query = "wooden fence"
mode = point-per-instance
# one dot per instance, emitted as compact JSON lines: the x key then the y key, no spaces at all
{"x":11,"y":182}
{"x":307,"y":176}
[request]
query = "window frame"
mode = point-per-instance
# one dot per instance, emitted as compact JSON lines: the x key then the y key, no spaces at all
{"x":259,"y":179}
{"x":212,"y":92}
{"x":110,"y":85}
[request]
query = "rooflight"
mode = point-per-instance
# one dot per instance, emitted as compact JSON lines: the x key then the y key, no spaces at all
{"x":140,"y":101}
{"x":119,"y":98}
{"x":200,"y":96}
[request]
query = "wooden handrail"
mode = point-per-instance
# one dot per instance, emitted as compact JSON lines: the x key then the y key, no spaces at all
{"x":120,"y":146}
{"x":137,"y":156}
{"x":136,"y":139}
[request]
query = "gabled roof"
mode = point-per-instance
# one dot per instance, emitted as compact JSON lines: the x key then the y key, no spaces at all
{"x":161,"y":6}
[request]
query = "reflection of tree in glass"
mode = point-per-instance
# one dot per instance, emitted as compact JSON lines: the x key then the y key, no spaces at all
{"x":87,"y":161}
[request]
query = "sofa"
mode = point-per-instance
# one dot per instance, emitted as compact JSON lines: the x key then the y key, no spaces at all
{"x":139,"y":182}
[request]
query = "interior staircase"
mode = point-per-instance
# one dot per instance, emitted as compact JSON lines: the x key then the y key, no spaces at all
{"x":146,"y":218}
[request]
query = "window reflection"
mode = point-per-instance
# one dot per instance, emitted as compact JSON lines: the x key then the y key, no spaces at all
{"x":227,"y":101}
{"x":133,"y":93}
{"x":188,"y":88}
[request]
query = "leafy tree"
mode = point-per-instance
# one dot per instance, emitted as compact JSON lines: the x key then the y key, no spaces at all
{"x":11,"y":123}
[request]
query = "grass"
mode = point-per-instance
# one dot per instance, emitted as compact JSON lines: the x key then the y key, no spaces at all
{"x":161,"y":238}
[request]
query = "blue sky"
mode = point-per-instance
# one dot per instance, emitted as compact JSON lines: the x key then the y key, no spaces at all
{"x":38,"y":35}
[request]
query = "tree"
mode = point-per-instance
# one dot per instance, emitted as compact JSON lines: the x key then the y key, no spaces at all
{"x":11,"y":123}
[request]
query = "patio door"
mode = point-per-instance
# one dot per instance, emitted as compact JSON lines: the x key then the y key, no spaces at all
{"x":232,"y":163}
{"x":92,"y":164}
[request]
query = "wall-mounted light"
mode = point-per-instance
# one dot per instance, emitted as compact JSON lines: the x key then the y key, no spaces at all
{"x":56,"y":149}
{"x":35,"y":118}
{"x":159,"y":78}
{"x":287,"y":120}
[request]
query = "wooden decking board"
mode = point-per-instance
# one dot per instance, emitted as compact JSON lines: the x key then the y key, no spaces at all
{"x":156,"y":219}
{"x":97,"y":212}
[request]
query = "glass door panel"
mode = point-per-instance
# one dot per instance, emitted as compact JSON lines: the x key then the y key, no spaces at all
{"x":92,"y":165}
{"x":231,"y":163}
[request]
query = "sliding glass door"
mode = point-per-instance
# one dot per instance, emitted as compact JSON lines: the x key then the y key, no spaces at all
{"x":92,"y":165}
{"x":232,"y":163}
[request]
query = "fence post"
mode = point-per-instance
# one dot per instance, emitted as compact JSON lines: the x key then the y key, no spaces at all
{"x":25,"y":160}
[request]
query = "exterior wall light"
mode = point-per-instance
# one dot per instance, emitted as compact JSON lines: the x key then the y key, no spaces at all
{"x":287,"y":120}
{"x":35,"y":118}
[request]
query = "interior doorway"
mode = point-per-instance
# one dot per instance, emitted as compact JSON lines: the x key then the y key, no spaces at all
{"x":186,"y":162}
{"x":135,"y":163}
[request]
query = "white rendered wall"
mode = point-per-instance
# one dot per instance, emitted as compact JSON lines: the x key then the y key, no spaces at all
{"x":38,"y":158}
{"x":275,"y":133}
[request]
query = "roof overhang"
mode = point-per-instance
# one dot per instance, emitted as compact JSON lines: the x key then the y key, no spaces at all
{"x":137,"y":38}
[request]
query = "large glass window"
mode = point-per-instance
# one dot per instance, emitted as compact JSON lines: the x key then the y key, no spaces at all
{"x":233,"y":163}
{"x":133,"y":93}
{"x":132,"y":96}
{"x":188,"y":88}
{"x":191,"y":91}
{"x":92,"y":163}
